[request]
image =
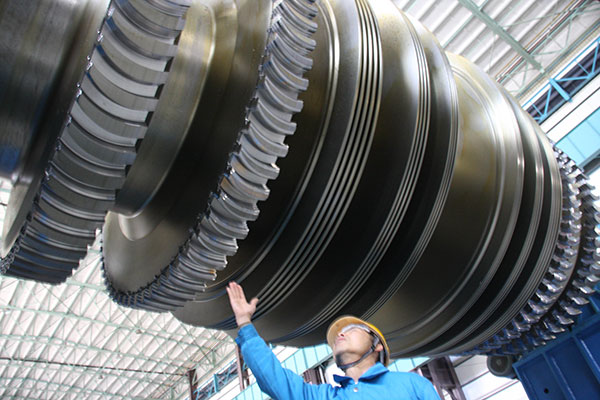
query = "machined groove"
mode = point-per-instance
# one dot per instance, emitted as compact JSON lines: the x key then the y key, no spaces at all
{"x":405,"y":192}
{"x":342,"y":183}
{"x":362,"y":272}
{"x":348,"y":171}
{"x":420,"y":34}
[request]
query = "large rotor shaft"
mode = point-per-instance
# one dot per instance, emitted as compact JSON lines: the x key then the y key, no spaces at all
{"x":327,"y":155}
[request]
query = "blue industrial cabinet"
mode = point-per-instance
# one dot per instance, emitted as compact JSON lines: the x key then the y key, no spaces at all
{"x":569,"y":367}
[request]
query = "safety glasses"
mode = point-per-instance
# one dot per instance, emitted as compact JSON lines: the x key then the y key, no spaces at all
{"x":348,"y":328}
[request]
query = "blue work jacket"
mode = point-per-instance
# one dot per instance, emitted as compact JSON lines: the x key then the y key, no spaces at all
{"x":282,"y":384}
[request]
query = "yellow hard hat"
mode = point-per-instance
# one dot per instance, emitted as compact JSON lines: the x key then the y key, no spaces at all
{"x":340,"y":323}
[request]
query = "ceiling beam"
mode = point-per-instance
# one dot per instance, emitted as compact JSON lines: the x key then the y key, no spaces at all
{"x":461,"y":28}
{"x":502,"y":33}
{"x":49,"y":341}
{"x":50,"y":366}
{"x":134,"y":329}
{"x":61,"y":388}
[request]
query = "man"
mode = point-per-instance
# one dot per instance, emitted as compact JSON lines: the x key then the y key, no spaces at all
{"x":359,"y":349}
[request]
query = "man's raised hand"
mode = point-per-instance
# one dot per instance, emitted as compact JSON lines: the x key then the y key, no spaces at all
{"x":242,"y":310}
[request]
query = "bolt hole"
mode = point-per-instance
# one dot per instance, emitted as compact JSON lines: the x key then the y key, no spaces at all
{"x":546,"y":390}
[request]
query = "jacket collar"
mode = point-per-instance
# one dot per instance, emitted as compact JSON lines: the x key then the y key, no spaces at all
{"x":373,"y":372}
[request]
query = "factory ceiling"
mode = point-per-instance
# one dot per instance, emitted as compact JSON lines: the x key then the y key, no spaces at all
{"x":72,"y":341}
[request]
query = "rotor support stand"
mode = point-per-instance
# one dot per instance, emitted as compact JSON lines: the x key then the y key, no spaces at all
{"x":441,"y":373}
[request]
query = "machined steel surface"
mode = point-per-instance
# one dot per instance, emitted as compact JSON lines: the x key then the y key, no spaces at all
{"x":38,"y":74}
{"x":328,"y":155}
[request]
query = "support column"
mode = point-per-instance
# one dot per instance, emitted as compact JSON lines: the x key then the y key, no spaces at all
{"x":193,"y":384}
{"x":314,"y":375}
{"x":441,"y":373}
{"x":242,"y":371}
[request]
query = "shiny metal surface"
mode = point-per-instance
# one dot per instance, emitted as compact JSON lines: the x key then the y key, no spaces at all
{"x":31,"y":70}
{"x":482,"y":314}
{"x":37,"y":62}
{"x":488,"y":196}
{"x":260,"y":116}
{"x":104,"y":97}
{"x":327,"y":155}
{"x":151,"y":233}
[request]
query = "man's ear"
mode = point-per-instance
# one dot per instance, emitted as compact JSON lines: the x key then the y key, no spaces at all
{"x":379,"y":347}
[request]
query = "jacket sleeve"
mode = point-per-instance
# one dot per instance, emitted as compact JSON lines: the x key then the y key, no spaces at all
{"x":272,"y":378}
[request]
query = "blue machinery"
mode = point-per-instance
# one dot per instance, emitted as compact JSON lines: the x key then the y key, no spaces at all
{"x":569,"y":367}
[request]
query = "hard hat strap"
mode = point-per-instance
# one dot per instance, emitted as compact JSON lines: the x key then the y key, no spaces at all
{"x":344,"y":367}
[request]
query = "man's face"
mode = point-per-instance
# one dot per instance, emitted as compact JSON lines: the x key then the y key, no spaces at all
{"x":352,"y":342}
